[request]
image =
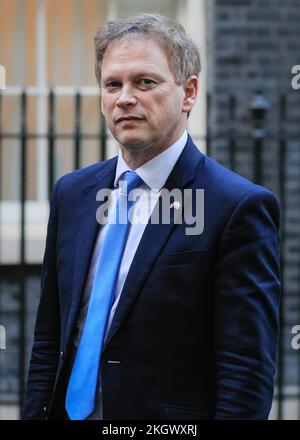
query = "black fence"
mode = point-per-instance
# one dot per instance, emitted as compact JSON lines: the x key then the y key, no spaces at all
{"x":266,"y":157}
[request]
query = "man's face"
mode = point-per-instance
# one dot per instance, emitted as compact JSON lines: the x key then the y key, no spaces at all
{"x":142,"y":104}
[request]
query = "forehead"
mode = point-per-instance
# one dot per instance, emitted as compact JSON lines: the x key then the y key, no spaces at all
{"x":135,"y":53}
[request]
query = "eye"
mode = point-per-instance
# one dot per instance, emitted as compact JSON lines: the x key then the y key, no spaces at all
{"x":112,"y":85}
{"x":146,"y":83}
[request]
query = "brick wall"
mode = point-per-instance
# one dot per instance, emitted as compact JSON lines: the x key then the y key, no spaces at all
{"x":253,"y":44}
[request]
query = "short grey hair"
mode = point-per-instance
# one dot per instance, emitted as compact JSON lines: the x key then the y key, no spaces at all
{"x":182,"y":53}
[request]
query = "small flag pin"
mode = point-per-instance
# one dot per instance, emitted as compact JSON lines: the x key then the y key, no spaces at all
{"x":175,"y":205}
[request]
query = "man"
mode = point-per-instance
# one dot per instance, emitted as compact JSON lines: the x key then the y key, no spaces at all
{"x":148,"y":321}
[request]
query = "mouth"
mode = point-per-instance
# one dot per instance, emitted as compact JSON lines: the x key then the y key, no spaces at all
{"x":128,"y":119}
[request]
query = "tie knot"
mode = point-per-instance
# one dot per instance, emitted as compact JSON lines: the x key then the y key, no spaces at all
{"x":132,"y":181}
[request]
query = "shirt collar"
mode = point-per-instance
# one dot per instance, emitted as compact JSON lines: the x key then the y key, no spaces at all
{"x":156,"y":171}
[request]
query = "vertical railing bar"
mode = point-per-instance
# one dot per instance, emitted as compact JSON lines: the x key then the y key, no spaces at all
{"x":51,"y":144}
{"x":282,"y":177}
{"x":208,"y":123}
{"x":232,"y":143}
{"x":23,"y":181}
{"x":77,"y":159}
{"x":103,"y":139}
{"x":257,"y":150}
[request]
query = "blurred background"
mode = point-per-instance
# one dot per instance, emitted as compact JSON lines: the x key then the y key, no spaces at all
{"x":247,"y":117}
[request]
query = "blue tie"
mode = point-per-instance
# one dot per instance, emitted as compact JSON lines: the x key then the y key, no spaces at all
{"x":81,"y":393}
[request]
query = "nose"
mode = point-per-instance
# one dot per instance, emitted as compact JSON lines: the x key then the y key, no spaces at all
{"x":126,"y":97}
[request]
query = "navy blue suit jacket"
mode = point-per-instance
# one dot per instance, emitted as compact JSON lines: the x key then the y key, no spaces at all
{"x":195,"y":330}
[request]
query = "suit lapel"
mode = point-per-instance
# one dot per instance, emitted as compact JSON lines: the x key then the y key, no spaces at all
{"x":87,"y":230}
{"x":154,"y":237}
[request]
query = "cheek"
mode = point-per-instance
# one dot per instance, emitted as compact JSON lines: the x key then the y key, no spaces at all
{"x":159,"y":108}
{"x":106,"y":107}
{"x":167,"y":112}
{"x":170,"y":103}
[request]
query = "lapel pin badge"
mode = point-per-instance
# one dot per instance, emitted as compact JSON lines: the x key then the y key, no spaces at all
{"x":175,"y":205}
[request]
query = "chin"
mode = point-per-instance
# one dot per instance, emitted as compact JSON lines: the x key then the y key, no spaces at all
{"x":131,"y":146}
{"x":130,"y":142}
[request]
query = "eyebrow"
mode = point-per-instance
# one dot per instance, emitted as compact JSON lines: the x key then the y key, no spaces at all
{"x":114,"y":76}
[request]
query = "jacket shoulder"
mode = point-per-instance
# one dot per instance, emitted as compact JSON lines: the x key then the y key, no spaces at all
{"x":230,"y":185}
{"x":83,"y":177}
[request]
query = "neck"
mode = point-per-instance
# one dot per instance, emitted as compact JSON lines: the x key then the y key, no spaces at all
{"x":135,"y":157}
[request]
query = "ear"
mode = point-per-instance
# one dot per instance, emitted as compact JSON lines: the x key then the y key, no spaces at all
{"x":190,"y":88}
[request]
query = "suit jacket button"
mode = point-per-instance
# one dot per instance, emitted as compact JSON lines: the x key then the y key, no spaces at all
{"x":45,"y":409}
{"x":62,"y":354}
